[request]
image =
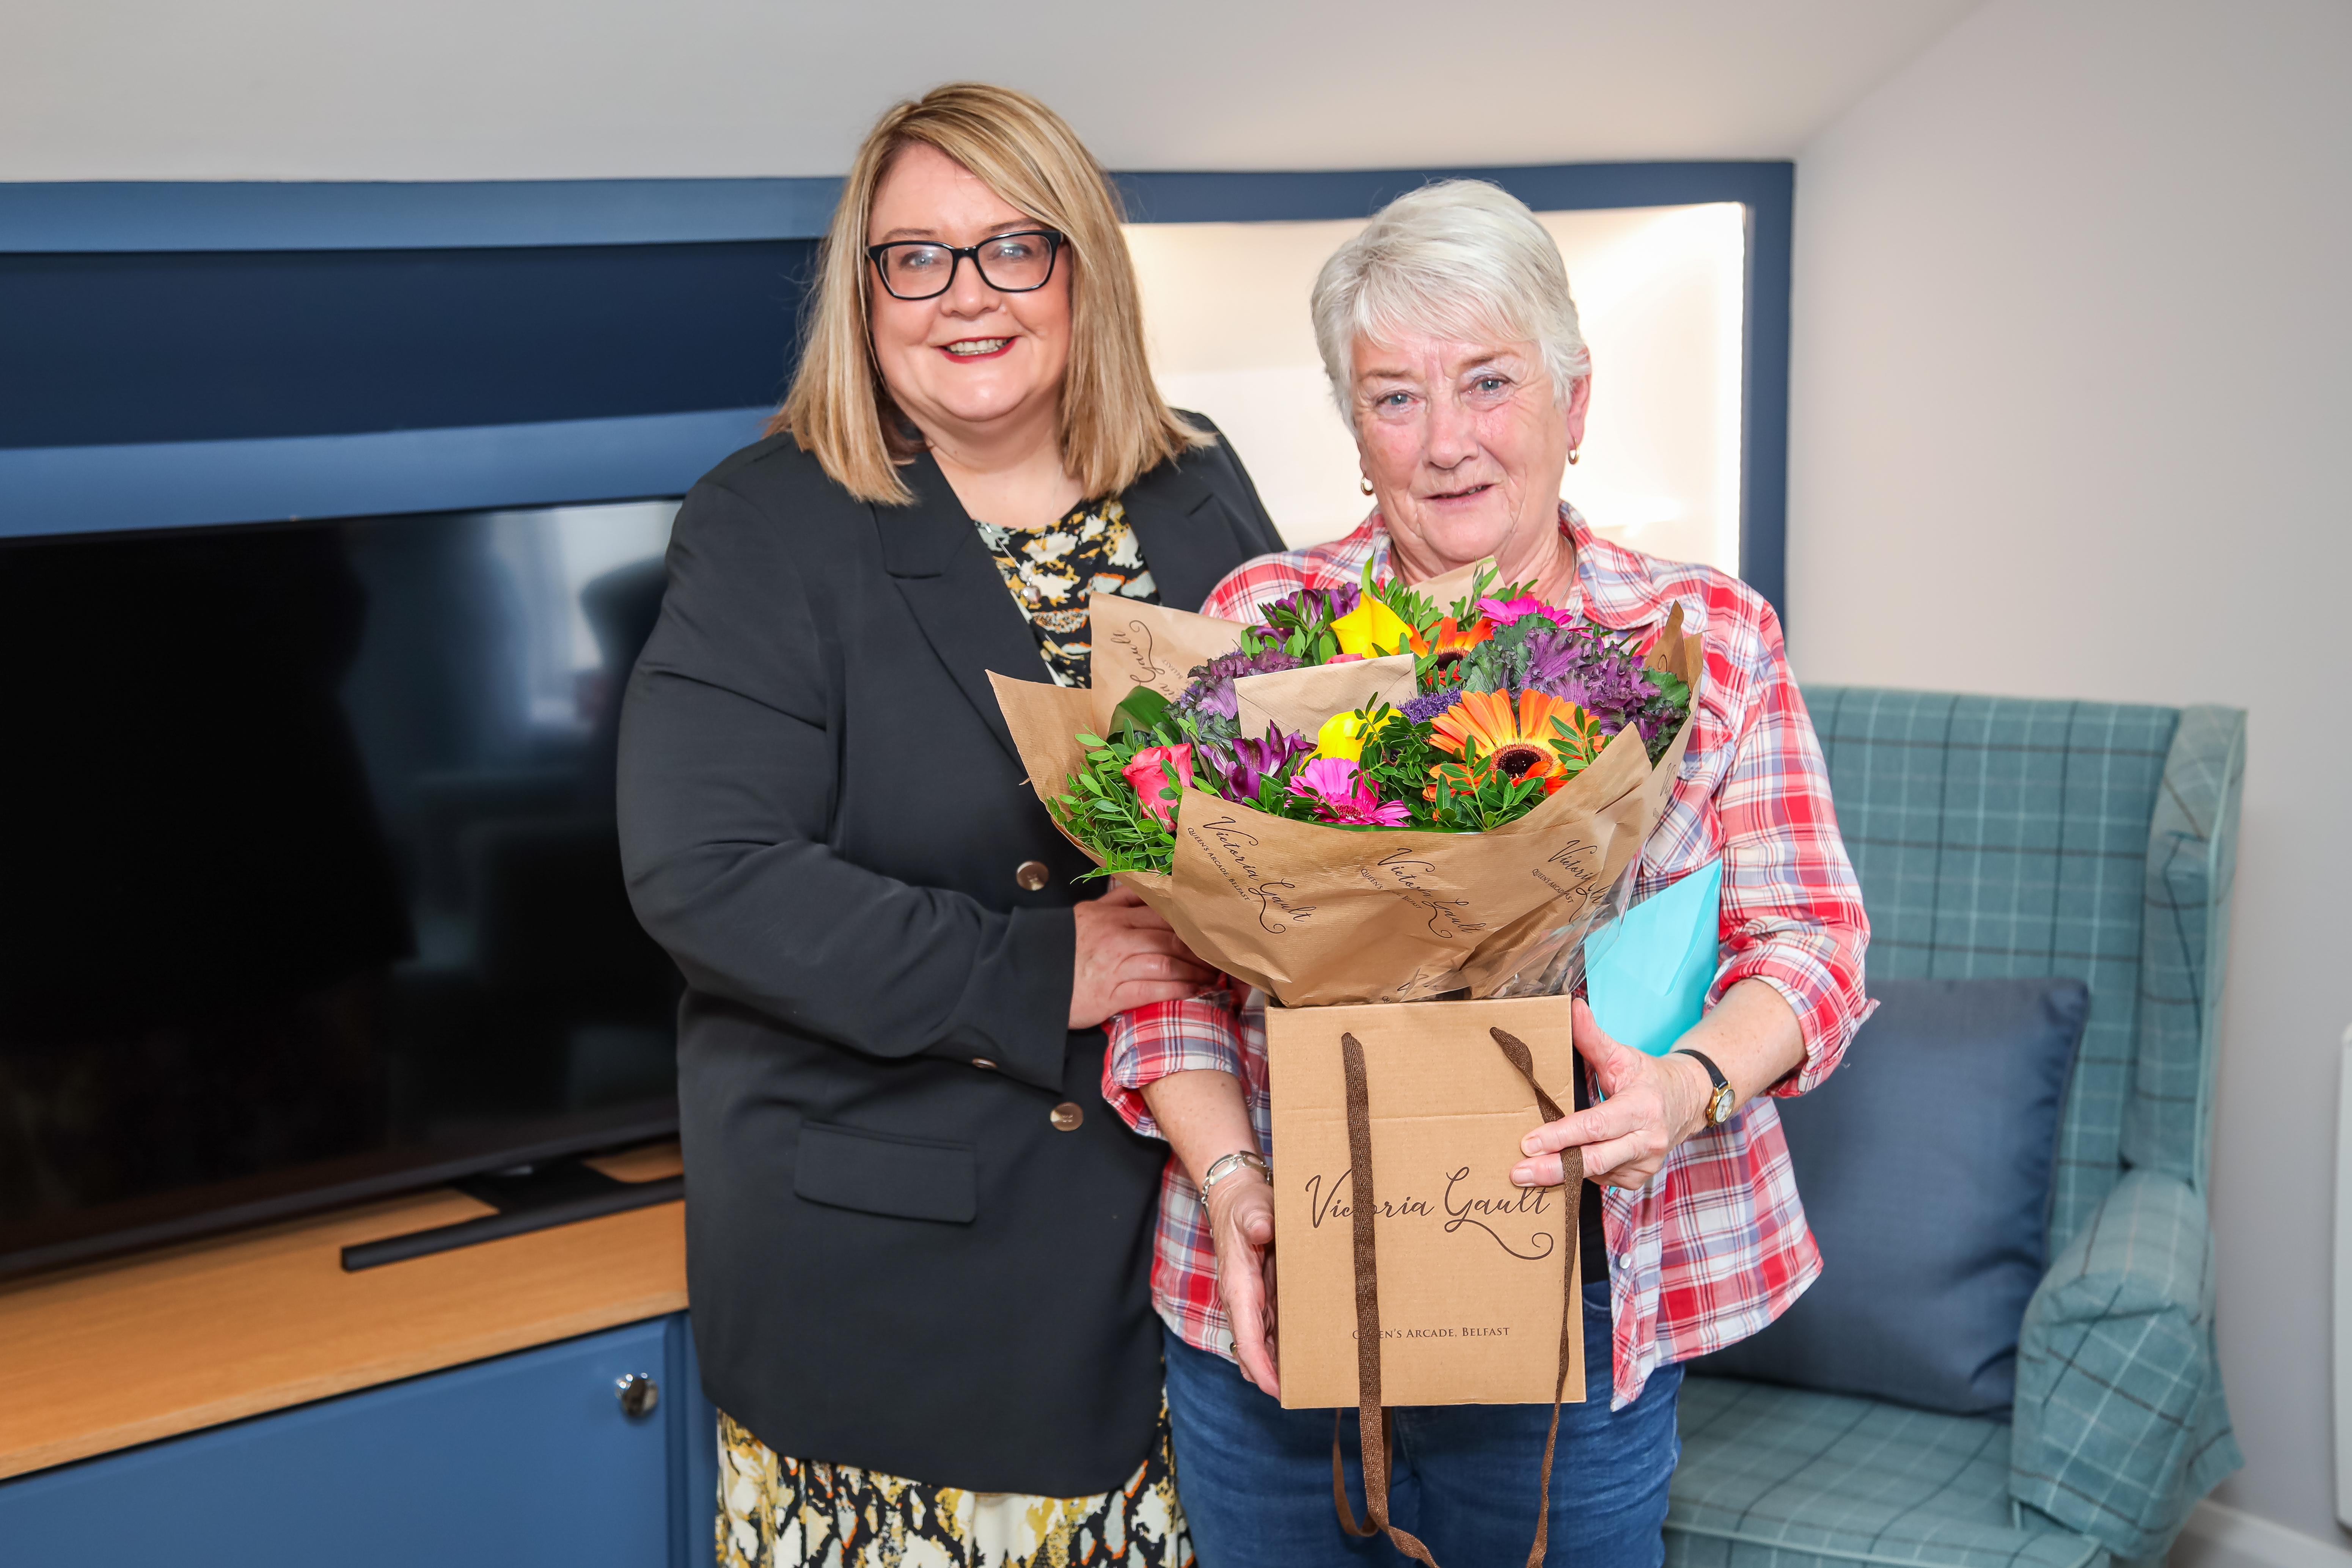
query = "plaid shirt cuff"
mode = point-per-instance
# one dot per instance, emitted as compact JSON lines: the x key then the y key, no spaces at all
{"x":1147,"y":1044}
{"x":1815,"y":973}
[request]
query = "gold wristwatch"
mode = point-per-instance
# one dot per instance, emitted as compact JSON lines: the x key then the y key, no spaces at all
{"x":1719,"y":1104}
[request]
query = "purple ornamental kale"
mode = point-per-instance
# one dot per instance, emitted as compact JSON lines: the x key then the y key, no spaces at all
{"x":1430,"y":704}
{"x":1596,"y":674}
{"x":1254,"y":760}
{"x":1212,"y":691}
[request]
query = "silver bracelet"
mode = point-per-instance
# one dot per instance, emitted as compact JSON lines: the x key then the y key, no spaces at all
{"x":1224,"y":1165}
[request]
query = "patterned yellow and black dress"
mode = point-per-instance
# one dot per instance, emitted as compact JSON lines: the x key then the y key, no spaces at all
{"x":778,"y":1512}
{"x":1051,"y":569}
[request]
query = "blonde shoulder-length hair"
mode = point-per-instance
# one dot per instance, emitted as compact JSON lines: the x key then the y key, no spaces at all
{"x":1114,"y":425}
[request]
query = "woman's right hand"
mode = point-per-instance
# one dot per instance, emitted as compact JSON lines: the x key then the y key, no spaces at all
{"x":1241,"y":1223}
{"x":1127,"y":958}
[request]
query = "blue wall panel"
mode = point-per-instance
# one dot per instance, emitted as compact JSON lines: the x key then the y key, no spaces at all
{"x":215,"y":346}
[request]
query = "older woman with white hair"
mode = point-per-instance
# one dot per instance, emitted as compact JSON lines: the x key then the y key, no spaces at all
{"x":1452,"y":346}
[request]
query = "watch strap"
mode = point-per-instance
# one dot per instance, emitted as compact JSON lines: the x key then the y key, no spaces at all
{"x":1714,"y":1075}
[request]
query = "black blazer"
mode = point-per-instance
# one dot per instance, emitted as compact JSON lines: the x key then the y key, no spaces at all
{"x":896,"y":1258}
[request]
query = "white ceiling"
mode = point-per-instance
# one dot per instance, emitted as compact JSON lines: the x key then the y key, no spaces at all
{"x":578,"y":88}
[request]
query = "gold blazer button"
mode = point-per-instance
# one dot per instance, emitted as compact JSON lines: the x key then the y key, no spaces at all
{"x":1031,"y":875}
{"x":1067,"y":1115}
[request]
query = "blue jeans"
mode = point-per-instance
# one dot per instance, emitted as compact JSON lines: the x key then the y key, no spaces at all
{"x":1256,"y":1479}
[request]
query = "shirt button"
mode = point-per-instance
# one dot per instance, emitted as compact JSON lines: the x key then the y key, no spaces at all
{"x":1031,"y":875}
{"x":983,"y":1064}
{"x":1066,"y":1116}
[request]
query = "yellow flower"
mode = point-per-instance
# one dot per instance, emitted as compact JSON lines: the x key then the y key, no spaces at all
{"x":1343,"y":735}
{"x":1371,"y":629}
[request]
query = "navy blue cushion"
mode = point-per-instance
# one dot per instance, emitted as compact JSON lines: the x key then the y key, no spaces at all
{"x":1926,"y":1164}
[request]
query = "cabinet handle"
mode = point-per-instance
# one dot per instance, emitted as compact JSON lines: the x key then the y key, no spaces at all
{"x":638,"y":1393}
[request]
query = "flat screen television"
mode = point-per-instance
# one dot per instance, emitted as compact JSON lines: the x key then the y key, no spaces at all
{"x":309,"y":888}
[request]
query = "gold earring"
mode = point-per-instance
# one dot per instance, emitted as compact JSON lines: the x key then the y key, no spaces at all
{"x":1368,"y":484}
{"x":1571,"y":455}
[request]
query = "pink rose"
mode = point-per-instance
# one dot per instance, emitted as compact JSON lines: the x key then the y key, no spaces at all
{"x":1147,"y":771}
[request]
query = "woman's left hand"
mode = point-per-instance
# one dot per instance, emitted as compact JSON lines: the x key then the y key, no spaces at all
{"x":1652,"y":1103}
{"x":1241,"y":1225}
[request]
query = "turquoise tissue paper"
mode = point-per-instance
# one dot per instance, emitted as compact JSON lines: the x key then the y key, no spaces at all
{"x":1647,"y":975}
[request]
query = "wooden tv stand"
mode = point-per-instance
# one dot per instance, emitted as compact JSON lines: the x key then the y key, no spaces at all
{"x":109,"y":1355}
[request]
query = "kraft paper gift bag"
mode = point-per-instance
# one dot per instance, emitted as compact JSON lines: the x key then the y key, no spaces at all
{"x":1647,"y":975}
{"x":1473,"y":1283}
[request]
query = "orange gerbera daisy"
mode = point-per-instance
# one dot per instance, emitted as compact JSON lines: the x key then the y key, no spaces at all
{"x":1450,"y":643}
{"x":1491,"y":736}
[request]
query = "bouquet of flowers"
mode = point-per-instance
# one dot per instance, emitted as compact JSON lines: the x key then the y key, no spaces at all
{"x":1509,"y":700}
{"x":1372,"y":792}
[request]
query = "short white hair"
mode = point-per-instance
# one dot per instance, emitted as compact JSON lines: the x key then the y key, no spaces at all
{"x":1461,"y":259}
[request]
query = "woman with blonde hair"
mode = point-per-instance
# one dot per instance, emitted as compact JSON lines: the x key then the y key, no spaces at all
{"x":919,"y":1248}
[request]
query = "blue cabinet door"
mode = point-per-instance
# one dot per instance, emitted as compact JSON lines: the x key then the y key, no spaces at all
{"x":526,"y":1459}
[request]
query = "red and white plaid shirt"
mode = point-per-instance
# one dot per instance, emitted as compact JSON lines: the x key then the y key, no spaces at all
{"x":1716,"y":1246}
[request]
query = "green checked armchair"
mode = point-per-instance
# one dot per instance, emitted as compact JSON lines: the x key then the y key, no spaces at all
{"x":2004,"y":838}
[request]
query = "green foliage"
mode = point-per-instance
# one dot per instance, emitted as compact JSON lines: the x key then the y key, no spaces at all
{"x":1102,"y":810}
{"x":1577,"y":741}
{"x":1141,"y":712}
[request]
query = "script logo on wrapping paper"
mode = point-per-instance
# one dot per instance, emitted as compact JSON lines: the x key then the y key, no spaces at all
{"x":1463,"y":1212}
{"x":1424,"y":981}
{"x":1231,"y":856}
{"x":1134,"y":640}
{"x":1399,"y":873}
{"x":1580,"y":863}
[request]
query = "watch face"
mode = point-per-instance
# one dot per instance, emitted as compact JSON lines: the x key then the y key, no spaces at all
{"x":1718,"y":1110}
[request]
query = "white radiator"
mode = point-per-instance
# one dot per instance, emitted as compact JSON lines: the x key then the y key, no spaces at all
{"x":2342,"y":1302}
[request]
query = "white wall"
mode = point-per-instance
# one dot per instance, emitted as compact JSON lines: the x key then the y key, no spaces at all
{"x":486,"y":89}
{"x":2071,"y":410}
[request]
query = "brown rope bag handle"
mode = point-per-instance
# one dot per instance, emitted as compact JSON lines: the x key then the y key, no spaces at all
{"x":1371,"y":1415}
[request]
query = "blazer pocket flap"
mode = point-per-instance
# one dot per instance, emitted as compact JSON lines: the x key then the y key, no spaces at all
{"x":878,"y":1173}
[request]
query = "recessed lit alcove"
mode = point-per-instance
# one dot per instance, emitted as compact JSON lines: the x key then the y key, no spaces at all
{"x":1661,"y":292}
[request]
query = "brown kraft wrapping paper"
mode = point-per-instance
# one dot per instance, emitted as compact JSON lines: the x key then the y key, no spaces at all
{"x":1136,"y":644}
{"x":1300,"y":699}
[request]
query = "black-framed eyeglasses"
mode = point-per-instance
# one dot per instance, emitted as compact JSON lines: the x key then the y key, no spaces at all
{"x":1012,"y":263}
